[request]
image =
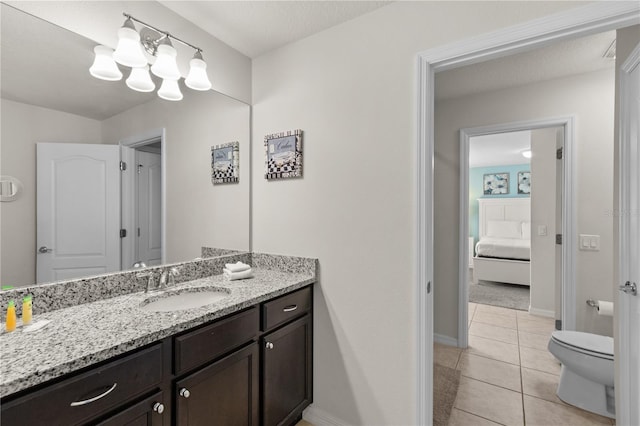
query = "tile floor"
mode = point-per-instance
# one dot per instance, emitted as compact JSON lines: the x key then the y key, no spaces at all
{"x":508,"y":376}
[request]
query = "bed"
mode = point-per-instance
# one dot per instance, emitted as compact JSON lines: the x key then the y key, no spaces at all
{"x":503,"y":251}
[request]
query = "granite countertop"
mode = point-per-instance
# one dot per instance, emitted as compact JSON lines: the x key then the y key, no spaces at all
{"x":86,"y":334}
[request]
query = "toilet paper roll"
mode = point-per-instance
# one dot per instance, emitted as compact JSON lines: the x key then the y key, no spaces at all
{"x":605,"y":308}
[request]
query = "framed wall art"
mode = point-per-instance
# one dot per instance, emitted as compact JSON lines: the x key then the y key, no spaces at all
{"x":225,"y":162}
{"x":283,"y":155}
{"x":524,"y":182}
{"x":495,"y":183}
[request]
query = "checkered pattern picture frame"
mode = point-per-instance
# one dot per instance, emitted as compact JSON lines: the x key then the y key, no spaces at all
{"x":225,"y":163}
{"x":283,"y":155}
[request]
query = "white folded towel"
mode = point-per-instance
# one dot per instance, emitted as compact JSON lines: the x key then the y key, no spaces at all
{"x":237,"y":275}
{"x":237,"y":267}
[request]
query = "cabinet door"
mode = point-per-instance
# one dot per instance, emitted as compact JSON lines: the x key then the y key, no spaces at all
{"x":223,"y":393}
{"x":287,"y":372}
{"x":149,"y":412}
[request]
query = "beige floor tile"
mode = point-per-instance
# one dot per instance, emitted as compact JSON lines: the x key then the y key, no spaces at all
{"x":488,"y":331}
{"x":524,"y":315}
{"x":535,"y":341}
{"x":540,"y":384}
{"x":544,"y":413}
{"x":303,"y":423}
{"x":494,"y":319}
{"x":462,"y":418}
{"x":490,"y":402}
{"x":446,"y":356}
{"x":496,"y":310}
{"x":536,"y":326}
{"x":539,"y":360}
{"x":493,"y":349}
{"x":490,"y":371}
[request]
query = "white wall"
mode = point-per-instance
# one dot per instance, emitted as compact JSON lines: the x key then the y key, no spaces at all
{"x":228,"y":69}
{"x":590,"y":97}
{"x":22,"y":126}
{"x":198,"y":213}
{"x":543,"y":213}
{"x":351,"y":89}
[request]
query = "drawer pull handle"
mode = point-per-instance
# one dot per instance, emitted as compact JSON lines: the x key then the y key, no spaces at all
{"x":95,"y":398}
{"x":158,"y":408}
{"x":290,"y":308}
{"x":184,"y":392}
{"x":269,"y":345}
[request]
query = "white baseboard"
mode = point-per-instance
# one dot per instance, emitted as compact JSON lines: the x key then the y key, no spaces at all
{"x":318,"y":417}
{"x":542,"y":312}
{"x":445,"y":340}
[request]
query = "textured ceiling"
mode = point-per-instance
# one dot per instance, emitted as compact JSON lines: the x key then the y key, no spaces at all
{"x":256,"y":27}
{"x":499,"y":149}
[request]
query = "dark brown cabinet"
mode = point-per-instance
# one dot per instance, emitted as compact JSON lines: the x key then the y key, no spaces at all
{"x":223,"y":393}
{"x":286,"y":373}
{"x":251,"y":368}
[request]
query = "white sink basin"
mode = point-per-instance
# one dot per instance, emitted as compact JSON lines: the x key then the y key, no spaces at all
{"x":185,"y":299}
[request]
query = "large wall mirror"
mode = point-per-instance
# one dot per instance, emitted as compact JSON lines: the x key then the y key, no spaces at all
{"x":49,"y":98}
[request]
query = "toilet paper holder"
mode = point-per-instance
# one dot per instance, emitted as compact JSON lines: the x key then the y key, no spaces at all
{"x":593,"y":303}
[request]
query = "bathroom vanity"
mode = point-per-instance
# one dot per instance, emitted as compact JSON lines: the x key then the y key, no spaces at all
{"x":244,"y":360}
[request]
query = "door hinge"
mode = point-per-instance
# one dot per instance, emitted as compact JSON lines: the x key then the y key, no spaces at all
{"x":123,"y":233}
{"x":558,"y":238}
{"x":560,"y":153}
{"x":123,"y":166}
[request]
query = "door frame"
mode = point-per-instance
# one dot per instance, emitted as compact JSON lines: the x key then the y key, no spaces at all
{"x":573,"y":23}
{"x":627,"y":198}
{"x":569,"y":217}
{"x":128,"y":205}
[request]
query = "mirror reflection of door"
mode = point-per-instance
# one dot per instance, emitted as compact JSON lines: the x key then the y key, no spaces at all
{"x":78,"y":210}
{"x":148,"y":205}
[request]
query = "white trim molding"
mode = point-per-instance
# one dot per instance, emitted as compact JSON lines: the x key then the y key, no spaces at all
{"x":318,"y":417}
{"x":445,"y":340}
{"x":576,"y":22}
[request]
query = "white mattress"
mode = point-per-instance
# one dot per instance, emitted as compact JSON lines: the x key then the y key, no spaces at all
{"x":504,"y":248}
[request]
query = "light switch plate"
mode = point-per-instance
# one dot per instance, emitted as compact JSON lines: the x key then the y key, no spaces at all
{"x":542,"y":230}
{"x":589,"y":242}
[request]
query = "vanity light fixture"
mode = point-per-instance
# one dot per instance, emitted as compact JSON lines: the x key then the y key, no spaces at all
{"x":157,"y":43}
{"x":526,"y":153}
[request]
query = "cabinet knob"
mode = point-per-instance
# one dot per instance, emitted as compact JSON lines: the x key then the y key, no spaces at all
{"x":158,"y":408}
{"x":184,"y":392}
{"x":268,"y":345}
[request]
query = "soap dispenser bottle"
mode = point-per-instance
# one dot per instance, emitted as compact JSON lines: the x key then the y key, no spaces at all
{"x":10,"y":323}
{"x":26,"y":310}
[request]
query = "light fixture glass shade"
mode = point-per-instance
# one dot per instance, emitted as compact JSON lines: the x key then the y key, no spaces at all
{"x":129,"y":50}
{"x":165,"y":66}
{"x":104,"y":67}
{"x":526,"y":153}
{"x":170,"y":91}
{"x":140,"y":80}
{"x":198,"y":78}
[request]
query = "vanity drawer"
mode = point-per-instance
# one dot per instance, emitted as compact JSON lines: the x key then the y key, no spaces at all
{"x":282,"y":309}
{"x":200,"y":346}
{"x":81,"y":398}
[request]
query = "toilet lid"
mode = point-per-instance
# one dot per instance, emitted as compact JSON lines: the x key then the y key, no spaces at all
{"x":585,"y":341}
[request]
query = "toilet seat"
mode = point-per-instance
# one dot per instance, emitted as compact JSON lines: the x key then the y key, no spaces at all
{"x":586,"y":343}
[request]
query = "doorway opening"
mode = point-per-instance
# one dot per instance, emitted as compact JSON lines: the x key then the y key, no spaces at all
{"x":143,"y":215}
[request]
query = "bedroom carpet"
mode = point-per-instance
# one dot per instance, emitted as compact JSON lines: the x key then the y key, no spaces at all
{"x":511,"y":296}
{"x":445,"y":389}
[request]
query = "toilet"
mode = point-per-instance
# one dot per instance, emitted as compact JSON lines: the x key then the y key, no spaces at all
{"x":586,"y":378}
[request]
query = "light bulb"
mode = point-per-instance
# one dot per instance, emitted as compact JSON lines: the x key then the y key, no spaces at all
{"x":170,"y":91}
{"x":197,"y":78}
{"x":140,"y":80}
{"x":104,"y":67}
{"x":129,"y":50}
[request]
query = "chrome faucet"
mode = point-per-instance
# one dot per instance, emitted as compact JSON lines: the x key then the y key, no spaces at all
{"x":164,"y":277}
{"x":168,"y":277}
{"x":149,"y":276}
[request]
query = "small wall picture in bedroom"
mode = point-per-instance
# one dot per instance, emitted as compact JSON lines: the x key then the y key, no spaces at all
{"x":225,"y":162}
{"x":496,"y":183}
{"x":283,"y":155}
{"x":524,"y":182}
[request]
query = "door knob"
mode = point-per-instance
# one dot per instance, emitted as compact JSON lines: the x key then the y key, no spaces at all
{"x":45,"y":249}
{"x":629,"y":288}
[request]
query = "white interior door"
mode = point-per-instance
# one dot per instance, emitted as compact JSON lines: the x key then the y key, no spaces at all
{"x":628,"y":309}
{"x":149,"y":207}
{"x":78,"y":210}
